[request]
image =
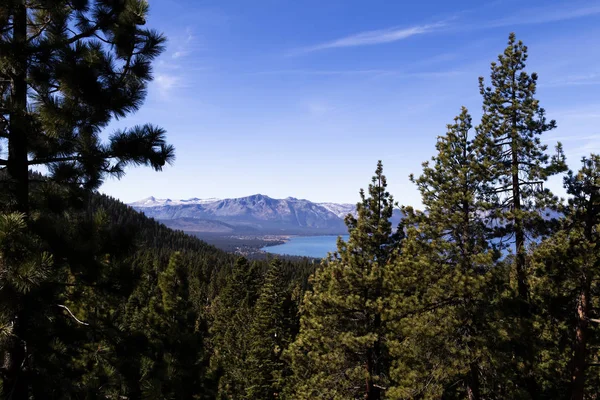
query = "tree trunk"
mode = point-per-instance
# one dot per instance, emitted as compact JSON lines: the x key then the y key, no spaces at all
{"x":580,"y":353}
{"x":373,"y":367}
{"x":526,"y":334}
{"x":522,"y":287}
{"x":524,"y":350}
{"x":15,"y":383}
{"x":473,"y":391}
{"x":583,"y":314}
{"x":17,"y":167}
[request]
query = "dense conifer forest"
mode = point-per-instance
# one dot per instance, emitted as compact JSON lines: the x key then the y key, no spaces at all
{"x":488,"y":292}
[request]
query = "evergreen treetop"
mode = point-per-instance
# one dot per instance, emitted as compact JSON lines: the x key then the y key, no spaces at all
{"x":340,"y":350}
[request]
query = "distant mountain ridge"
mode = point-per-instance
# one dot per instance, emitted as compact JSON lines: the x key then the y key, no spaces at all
{"x":257,"y":214}
{"x":154,"y":202}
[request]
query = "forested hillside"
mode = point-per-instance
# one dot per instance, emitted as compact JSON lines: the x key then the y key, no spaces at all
{"x":488,"y":292}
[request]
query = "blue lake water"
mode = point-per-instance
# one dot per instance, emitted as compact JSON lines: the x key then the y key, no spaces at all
{"x":306,"y":246}
{"x":318,"y":246}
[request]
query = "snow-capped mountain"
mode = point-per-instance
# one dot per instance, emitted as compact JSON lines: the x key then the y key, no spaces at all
{"x":257,"y":213}
{"x":154,"y":202}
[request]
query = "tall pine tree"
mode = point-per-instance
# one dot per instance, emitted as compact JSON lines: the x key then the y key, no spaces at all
{"x":232,"y":316}
{"x":340,"y":351}
{"x":271,"y":332}
{"x":441,"y":285}
{"x":66,"y":69}
{"x":518,"y":165}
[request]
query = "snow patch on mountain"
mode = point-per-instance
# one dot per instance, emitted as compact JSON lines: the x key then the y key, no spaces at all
{"x":154,"y":202}
{"x":340,"y":210}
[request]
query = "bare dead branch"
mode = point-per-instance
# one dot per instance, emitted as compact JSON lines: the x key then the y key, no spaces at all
{"x":38,"y":161}
{"x":74,"y":317}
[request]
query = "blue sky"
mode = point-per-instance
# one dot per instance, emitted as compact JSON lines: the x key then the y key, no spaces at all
{"x":301,"y":98}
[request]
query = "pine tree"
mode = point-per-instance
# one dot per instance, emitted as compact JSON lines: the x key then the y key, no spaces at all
{"x":340,"y":352}
{"x":162,"y":353}
{"x":66,"y":69}
{"x":567,"y":270}
{"x":181,"y":340}
{"x":440,"y":285}
{"x":270,"y":334}
{"x":24,"y":265}
{"x":232,"y":315}
{"x":69,"y":68}
{"x":518,"y":165}
{"x":173,"y":286}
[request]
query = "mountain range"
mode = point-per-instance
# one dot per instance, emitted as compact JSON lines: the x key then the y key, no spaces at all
{"x":256,"y":214}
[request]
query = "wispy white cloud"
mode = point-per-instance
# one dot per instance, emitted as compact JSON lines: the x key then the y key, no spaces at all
{"x":389,"y":35}
{"x":576,"y":80}
{"x":185,"y":44}
{"x":372,"y":37}
{"x":587,"y":148}
{"x":180,"y":53}
{"x":167,"y":82}
{"x":317,"y":108}
{"x":190,"y":35}
{"x":431,"y":74}
{"x":362,"y":72}
{"x":171,"y":69}
{"x":554,"y":139}
{"x":321,"y":72}
{"x":547,"y":14}
{"x":581,"y":146}
{"x":577,"y":130}
{"x":591,"y":111}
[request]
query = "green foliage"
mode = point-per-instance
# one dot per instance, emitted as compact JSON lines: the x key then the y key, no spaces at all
{"x":340,"y":351}
{"x":172,"y":283}
{"x":172,"y":362}
{"x":271,"y":331}
{"x":566,"y":270}
{"x":441,"y":286}
{"x":512,"y":123}
{"x":253,"y":319}
{"x":515,"y":160}
{"x":517,"y":166}
{"x":232,"y":313}
{"x":86,"y":62}
{"x":71,"y":68}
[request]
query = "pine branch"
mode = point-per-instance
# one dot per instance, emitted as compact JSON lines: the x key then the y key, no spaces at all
{"x":82,"y":35}
{"x":126,"y":69}
{"x":429,"y":308}
{"x":41,"y":30}
{"x":65,"y":283}
{"x":104,"y":40}
{"x":88,"y":32}
{"x":502,"y":189}
{"x":500,"y":144}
